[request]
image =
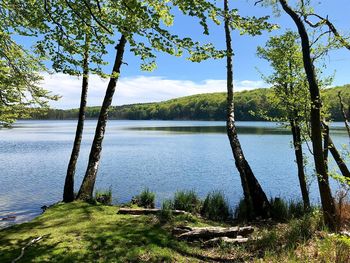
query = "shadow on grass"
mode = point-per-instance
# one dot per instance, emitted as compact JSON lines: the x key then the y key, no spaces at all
{"x":85,"y":233}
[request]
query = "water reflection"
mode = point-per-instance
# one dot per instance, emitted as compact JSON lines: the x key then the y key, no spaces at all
{"x":257,"y":130}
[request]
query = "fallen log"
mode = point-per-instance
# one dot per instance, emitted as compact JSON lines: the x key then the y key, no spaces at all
{"x":180,"y":230}
{"x":147,"y":211}
{"x":212,"y":232}
{"x":219,"y":240}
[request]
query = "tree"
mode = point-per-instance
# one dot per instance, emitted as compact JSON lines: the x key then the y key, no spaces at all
{"x":75,"y":48}
{"x":254,"y":196}
{"x":290,"y":94}
{"x":20,"y":90}
{"x":315,"y":120}
{"x":141,"y":26}
{"x":337,"y":41}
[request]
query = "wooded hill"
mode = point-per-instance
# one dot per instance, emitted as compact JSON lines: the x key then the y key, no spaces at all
{"x":209,"y":106}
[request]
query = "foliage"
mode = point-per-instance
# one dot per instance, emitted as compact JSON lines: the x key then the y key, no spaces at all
{"x":284,"y":211}
{"x":187,"y":201}
{"x":64,"y":26}
{"x":67,"y":44}
{"x":104,"y":197}
{"x":215,"y":207}
{"x":290,"y":90}
{"x":290,"y":87}
{"x":20,"y":90}
{"x":145,"y":199}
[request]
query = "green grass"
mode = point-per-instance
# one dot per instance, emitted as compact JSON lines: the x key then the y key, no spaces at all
{"x":81,"y":232}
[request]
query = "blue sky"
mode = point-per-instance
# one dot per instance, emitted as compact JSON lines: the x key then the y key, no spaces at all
{"x":176,"y":77}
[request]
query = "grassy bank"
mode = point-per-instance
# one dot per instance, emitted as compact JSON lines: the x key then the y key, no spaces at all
{"x":80,"y":232}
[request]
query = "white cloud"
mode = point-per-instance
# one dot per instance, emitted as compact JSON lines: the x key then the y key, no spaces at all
{"x":135,"y":89}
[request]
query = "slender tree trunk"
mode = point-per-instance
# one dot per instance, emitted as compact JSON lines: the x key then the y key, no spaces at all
{"x":339,"y":160}
{"x":298,"y":149}
{"x":336,"y":155}
{"x":68,"y":192}
{"x":316,"y":129}
{"x":254,"y":195}
{"x":326,"y":139}
{"x":87,"y":186}
{"x":345,"y":117}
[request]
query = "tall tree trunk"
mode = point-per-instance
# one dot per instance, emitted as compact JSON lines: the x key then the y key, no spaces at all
{"x":87,"y":186}
{"x":345,"y":117}
{"x":254,"y":195}
{"x":68,"y":192}
{"x":298,"y":149}
{"x":316,"y":129}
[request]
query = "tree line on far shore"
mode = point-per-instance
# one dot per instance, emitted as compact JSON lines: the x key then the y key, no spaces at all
{"x":209,"y":106}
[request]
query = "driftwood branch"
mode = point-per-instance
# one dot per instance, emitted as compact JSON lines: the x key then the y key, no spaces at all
{"x":147,"y":211}
{"x":31,"y":242}
{"x":218,"y":240}
{"x":206,"y":233}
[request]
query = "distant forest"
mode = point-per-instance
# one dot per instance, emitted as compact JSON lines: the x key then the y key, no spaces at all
{"x":210,"y":106}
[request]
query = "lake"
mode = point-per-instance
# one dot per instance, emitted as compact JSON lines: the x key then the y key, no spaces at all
{"x":164,"y":156}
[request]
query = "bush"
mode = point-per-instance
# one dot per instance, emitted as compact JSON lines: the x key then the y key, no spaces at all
{"x":283,"y":211}
{"x":302,"y":229}
{"x":146,"y":199}
{"x":296,"y":209}
{"x":279,"y":209}
{"x":215,"y":207}
{"x":104,"y":197}
{"x":187,"y":201}
{"x":342,"y":205}
{"x":268,"y":240}
{"x":242,"y":212}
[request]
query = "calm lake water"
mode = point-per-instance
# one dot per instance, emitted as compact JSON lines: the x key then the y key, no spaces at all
{"x":164,"y":156}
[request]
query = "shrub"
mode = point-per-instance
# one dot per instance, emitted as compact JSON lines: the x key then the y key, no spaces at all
{"x":342,"y":204}
{"x":215,"y":207}
{"x":296,"y":209}
{"x":268,"y":240}
{"x":242,"y":212}
{"x":146,"y":199}
{"x":104,"y":196}
{"x":279,"y":209}
{"x":187,"y":201}
{"x":283,"y":211}
{"x":166,"y":213}
{"x":301,"y":229}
